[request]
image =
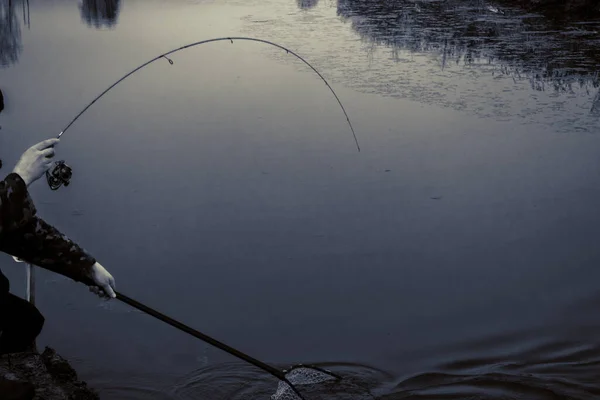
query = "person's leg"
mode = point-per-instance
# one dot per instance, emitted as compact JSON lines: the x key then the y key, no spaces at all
{"x":20,"y":323}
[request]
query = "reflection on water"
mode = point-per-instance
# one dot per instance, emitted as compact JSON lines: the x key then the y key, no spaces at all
{"x":99,"y":13}
{"x":560,"y":9}
{"x":550,"y":57}
{"x":596,"y":105}
{"x":10,"y":33}
{"x":493,"y":60}
{"x":96,"y":13}
{"x":306,"y":4}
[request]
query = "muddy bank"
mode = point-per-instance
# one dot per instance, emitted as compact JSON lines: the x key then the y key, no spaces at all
{"x":51,"y":375}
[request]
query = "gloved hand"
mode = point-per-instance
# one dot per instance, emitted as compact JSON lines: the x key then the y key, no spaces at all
{"x":35,"y":161}
{"x":105,"y":283}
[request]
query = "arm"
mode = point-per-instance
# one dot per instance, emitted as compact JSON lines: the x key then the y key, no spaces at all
{"x":28,"y":237}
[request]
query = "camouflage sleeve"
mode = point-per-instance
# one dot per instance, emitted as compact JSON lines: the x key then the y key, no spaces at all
{"x":28,"y":237}
{"x":16,"y":206}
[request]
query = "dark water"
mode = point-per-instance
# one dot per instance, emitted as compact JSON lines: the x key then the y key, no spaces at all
{"x":456,"y":256}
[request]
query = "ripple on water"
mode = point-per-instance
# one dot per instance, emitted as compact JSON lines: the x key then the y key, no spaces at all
{"x":541,"y":368}
{"x":236,"y":381}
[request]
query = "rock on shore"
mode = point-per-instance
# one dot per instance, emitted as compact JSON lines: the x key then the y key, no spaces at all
{"x":52,"y":376}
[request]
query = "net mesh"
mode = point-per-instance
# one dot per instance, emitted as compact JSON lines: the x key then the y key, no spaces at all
{"x":299,"y":377}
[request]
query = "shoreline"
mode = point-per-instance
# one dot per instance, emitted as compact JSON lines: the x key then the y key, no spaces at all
{"x":52,"y":375}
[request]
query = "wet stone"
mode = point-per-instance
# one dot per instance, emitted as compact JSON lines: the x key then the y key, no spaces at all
{"x":51,"y":375}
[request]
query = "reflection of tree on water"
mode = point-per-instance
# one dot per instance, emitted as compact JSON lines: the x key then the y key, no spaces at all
{"x":596,"y":105}
{"x":99,"y":12}
{"x":305,"y":4}
{"x":556,"y":57}
{"x":10,"y":33}
{"x":559,"y":9}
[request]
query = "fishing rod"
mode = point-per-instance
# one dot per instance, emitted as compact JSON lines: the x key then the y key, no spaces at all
{"x":61,"y":173}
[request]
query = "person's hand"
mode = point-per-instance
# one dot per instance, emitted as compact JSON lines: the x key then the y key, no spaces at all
{"x":35,"y":161}
{"x":105,"y":283}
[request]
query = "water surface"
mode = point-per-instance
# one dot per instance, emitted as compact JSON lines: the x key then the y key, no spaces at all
{"x":455,"y":256}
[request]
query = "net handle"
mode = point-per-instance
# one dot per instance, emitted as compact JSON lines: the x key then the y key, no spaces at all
{"x":281,"y":375}
{"x":273,"y":371}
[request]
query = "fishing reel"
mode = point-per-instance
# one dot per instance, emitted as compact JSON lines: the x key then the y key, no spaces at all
{"x":59,"y":175}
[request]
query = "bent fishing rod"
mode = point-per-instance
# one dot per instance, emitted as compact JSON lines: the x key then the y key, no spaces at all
{"x":61,"y":173}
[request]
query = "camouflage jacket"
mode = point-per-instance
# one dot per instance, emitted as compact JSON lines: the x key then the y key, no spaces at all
{"x":28,"y":237}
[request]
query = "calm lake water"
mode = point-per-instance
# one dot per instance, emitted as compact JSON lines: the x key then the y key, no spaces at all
{"x":456,"y":256}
